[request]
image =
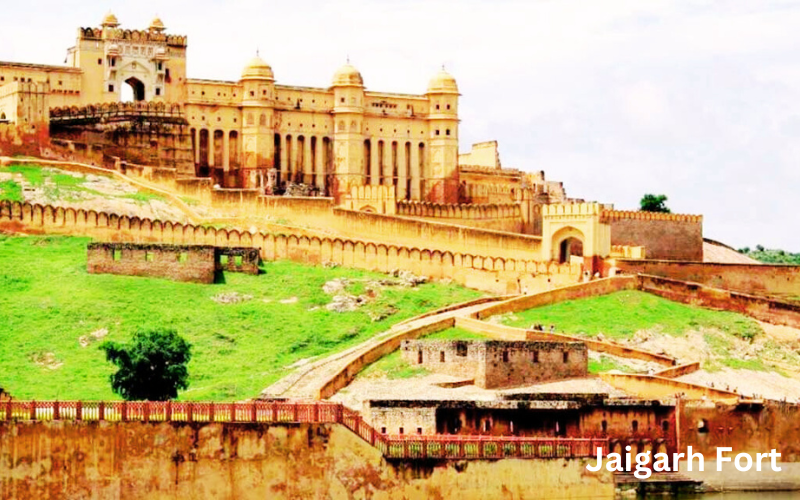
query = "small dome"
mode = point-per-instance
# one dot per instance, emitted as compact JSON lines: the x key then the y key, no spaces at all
{"x":257,"y":68}
{"x":157,"y":24}
{"x":443,"y":83}
{"x":110,"y":20}
{"x":347,"y":75}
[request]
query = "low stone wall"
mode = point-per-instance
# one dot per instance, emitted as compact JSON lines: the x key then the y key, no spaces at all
{"x":756,"y":279}
{"x":679,"y":371}
{"x":193,"y":263}
{"x":505,"y":217}
{"x":388,"y":345}
{"x":237,"y":260}
{"x":581,"y":290}
{"x":761,"y":308}
{"x":67,"y":459}
{"x":652,"y":387}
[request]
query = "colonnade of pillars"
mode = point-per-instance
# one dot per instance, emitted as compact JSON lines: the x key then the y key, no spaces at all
{"x":303,"y":159}
{"x":308,"y":159}
{"x":394,"y":163}
{"x":215,"y":149}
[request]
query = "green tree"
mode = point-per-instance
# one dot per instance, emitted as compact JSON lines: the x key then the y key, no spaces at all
{"x":152,"y":367}
{"x":654,"y":203}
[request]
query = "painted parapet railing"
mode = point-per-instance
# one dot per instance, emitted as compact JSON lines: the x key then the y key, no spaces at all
{"x":321,"y":412}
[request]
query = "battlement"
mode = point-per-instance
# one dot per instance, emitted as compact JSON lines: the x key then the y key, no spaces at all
{"x":572,"y":209}
{"x":615,"y":215}
{"x":375,"y":199}
{"x":131,"y":36}
{"x":118,"y":111}
{"x":459,"y":211}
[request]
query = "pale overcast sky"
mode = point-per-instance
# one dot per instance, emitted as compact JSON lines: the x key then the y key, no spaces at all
{"x":695,"y":99}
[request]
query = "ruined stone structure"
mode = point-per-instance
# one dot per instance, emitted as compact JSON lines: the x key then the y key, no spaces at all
{"x":195,"y":263}
{"x":492,"y":364}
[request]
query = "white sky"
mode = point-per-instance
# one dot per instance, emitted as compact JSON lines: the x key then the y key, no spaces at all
{"x":695,"y":99}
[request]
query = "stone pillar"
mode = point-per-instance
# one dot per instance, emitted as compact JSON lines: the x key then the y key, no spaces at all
{"x":211,"y":163}
{"x":196,"y":146}
{"x":374,"y":163}
{"x":226,"y":151}
{"x":284,"y":173}
{"x":308,"y":168}
{"x":416,"y":173}
{"x":319,"y":163}
{"x":402,"y":173}
{"x":388,"y":172}
{"x":293,"y":163}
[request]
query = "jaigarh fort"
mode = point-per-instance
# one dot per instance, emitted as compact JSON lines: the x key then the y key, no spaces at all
{"x":346,"y":177}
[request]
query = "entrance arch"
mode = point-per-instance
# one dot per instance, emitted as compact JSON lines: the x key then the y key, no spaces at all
{"x":134,"y":91}
{"x":567,"y":242}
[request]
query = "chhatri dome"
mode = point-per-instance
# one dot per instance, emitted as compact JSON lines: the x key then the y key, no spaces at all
{"x":157,"y":25}
{"x":347,"y":75}
{"x":442,"y":83}
{"x":258,"y":68}
{"x":110,"y":20}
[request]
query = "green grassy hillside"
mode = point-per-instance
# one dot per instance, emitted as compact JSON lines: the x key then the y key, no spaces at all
{"x":620,"y":315}
{"x":53,"y":315}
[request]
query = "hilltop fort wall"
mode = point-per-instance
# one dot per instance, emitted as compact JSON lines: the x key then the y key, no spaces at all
{"x":495,"y":274}
{"x":758,"y":279}
{"x":664,"y":236}
{"x":238,"y":461}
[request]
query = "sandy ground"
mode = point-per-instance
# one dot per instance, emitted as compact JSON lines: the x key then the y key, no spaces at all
{"x":99,"y":193}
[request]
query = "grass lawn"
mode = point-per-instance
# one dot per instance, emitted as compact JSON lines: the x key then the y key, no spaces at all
{"x":621,"y":314}
{"x":49,"y":303}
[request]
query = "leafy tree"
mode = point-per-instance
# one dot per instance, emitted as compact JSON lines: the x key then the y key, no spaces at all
{"x":772,"y":256}
{"x":654,"y":203}
{"x":152,"y":367}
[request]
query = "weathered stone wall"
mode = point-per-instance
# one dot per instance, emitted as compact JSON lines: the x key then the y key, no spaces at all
{"x":758,"y":279}
{"x":494,"y":364}
{"x":510,"y":364}
{"x":664,"y":236}
{"x":237,"y":260}
{"x":256,"y":461}
{"x":175,"y":262}
{"x":401,"y":421}
{"x":746,"y":428}
{"x":505,"y":217}
{"x":761,"y":308}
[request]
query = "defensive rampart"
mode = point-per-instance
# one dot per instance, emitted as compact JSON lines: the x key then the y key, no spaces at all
{"x":498,"y":274}
{"x":757,"y":279}
{"x":498,"y":216}
{"x":664,"y":236}
{"x":233,"y":450}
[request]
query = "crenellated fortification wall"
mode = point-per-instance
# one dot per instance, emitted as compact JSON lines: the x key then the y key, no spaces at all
{"x":439,"y":235}
{"x":493,"y":274}
{"x":664,"y":236}
{"x":497,"y":216}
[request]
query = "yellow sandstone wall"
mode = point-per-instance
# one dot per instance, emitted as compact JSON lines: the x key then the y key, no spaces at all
{"x":493,"y":274}
{"x":155,"y":461}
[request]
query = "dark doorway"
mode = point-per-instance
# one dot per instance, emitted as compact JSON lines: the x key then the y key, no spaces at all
{"x":135,"y":90}
{"x":570,"y":247}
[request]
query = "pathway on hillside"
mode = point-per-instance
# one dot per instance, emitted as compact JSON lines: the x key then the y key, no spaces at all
{"x":307,"y":381}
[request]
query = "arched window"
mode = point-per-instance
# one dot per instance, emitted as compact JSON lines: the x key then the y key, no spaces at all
{"x":250,"y":119}
{"x":341,"y":127}
{"x":262,"y":120}
{"x":3,"y":116}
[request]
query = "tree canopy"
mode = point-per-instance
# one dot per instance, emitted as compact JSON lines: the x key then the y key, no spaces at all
{"x":152,"y":367}
{"x":654,"y":203}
